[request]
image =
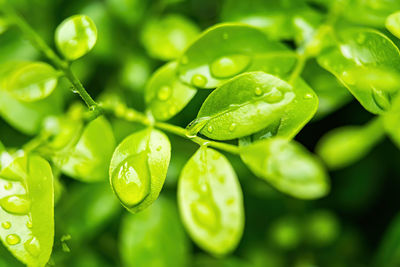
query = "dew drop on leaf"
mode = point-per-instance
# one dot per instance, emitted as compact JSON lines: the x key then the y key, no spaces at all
{"x":308,"y":96}
{"x":13,"y":239}
{"x":29,"y":224}
{"x":206,"y":214}
{"x":164,"y":93}
{"x":232,"y":127}
{"x":348,"y":78}
{"x":274,"y":96}
{"x":8,"y":186}
{"x":130,"y":181}
{"x":6,"y":225}
{"x":258,"y":91}
{"x":225,"y":36}
{"x":32,"y":246}
{"x":199,"y":80}
{"x":210,"y":129}
{"x":228,"y":66}
{"x":16,"y":204}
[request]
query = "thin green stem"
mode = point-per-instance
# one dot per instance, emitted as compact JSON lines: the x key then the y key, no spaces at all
{"x":132,"y":115}
{"x":58,"y":62}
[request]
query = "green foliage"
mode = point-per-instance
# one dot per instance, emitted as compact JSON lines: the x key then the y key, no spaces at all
{"x":76,"y":36}
{"x":210,"y":201}
{"x":232,"y":83}
{"x":154,"y":230}
{"x":288,"y":166}
{"x":138,"y":168}
{"x":27,"y":217}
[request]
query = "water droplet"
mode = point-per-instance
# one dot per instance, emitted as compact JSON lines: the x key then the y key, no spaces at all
{"x":17,"y":204}
{"x":381,"y":99}
{"x":360,"y":39}
{"x":195,"y":126}
{"x":164,"y":93}
{"x":348,"y":78}
{"x":29,"y":224}
{"x":308,"y":96}
{"x":206,"y":214}
{"x":232,"y":127}
{"x":8,"y":186}
{"x":228,"y":66}
{"x":159,"y":148}
{"x":273,"y":96}
{"x":199,"y":80}
{"x":258,"y":91}
{"x":172,"y":110}
{"x":225,"y":36}
{"x":230,"y":201}
{"x":13,"y":239}
{"x":221,"y":179}
{"x":32,"y":246}
{"x":210,"y":129}
{"x":184,"y":60}
{"x":6,"y":225}
{"x":131,"y":180}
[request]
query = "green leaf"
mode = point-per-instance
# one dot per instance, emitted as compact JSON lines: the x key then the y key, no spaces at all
{"x":138,"y":168}
{"x":391,"y":122}
{"x":76,"y":36}
{"x":296,"y":114}
{"x":393,"y":24}
{"x":322,"y":228}
{"x":154,"y":237}
{"x":2,"y":149}
{"x":360,"y":53}
{"x":369,"y":12}
{"x":332,"y":95}
{"x":287,"y":166}
{"x":85,"y":211}
{"x":226,"y":50}
{"x":277,"y":18}
{"x":30,"y":81}
{"x":242,"y":106}
{"x":84,"y":153}
{"x":343,"y":146}
{"x":210,"y":202}
{"x":165,"y":95}
{"x":27,"y":219}
{"x":166,"y":38}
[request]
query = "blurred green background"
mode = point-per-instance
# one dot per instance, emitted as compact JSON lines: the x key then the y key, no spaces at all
{"x":345,"y":228}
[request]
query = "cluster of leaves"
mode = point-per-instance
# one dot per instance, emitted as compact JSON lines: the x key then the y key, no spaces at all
{"x":254,"y":80}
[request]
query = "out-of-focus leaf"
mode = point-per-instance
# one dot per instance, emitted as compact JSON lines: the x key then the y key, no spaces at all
{"x":166,"y":38}
{"x":343,"y":146}
{"x":287,"y":166}
{"x":154,"y":237}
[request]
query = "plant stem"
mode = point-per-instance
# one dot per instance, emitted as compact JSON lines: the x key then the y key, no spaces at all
{"x":95,"y":109}
{"x":132,"y":115}
{"x":61,"y":64}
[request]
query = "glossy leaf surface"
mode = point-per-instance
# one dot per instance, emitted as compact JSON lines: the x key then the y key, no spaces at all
{"x":296,"y":114}
{"x":243,"y":105}
{"x":166,"y":38}
{"x":165,"y":95}
{"x":287,"y":166}
{"x":84,"y":152}
{"x":146,"y":238}
{"x":27,"y":216}
{"x":138,"y":168}
{"x":210,"y":202}
{"x":236,"y":48}
{"x":30,"y":81}
{"x":359,"y":53}
{"x":76,"y":36}
{"x":393,"y":24}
